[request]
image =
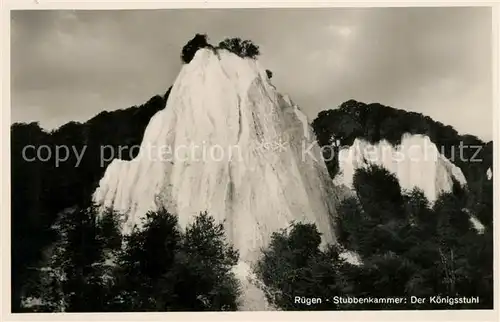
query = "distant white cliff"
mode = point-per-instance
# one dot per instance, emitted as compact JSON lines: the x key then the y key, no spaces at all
{"x":416,"y":162}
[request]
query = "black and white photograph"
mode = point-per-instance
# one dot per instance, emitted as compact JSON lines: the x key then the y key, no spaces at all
{"x":251,"y":159}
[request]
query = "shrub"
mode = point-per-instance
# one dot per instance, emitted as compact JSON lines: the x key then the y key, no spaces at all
{"x":192,"y":46}
{"x":242,"y":48}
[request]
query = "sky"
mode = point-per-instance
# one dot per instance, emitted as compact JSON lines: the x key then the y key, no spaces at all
{"x":70,"y":65}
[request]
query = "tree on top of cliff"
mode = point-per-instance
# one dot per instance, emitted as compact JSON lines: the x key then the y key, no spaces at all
{"x":242,"y":48}
{"x":192,"y":46}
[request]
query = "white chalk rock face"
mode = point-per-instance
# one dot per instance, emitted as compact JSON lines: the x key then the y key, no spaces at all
{"x":416,"y":162}
{"x":227,"y":143}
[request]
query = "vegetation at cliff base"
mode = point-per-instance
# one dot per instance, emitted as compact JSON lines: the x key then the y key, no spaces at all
{"x":93,"y":268}
{"x":406,"y":247}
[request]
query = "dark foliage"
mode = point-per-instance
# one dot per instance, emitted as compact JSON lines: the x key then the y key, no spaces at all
{"x":242,"y":48}
{"x":189,"y":50}
{"x":76,"y":276}
{"x":406,"y":248}
{"x":162,"y":269}
{"x":157,"y":268}
{"x":293,"y":266}
{"x":30,"y":227}
{"x":42,"y":189}
{"x":375,"y":122}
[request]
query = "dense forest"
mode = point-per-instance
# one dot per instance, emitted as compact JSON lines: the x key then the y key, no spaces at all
{"x":41,"y":190}
{"x":93,"y":268}
{"x":406,"y":247}
{"x":66,"y":257}
{"x":375,"y":122}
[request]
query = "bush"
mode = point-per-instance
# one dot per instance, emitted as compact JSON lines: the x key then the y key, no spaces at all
{"x":293,"y":266}
{"x":75,"y":278}
{"x":164,"y":269}
{"x":192,"y":46}
{"x":93,"y":268}
{"x":245,"y":48}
